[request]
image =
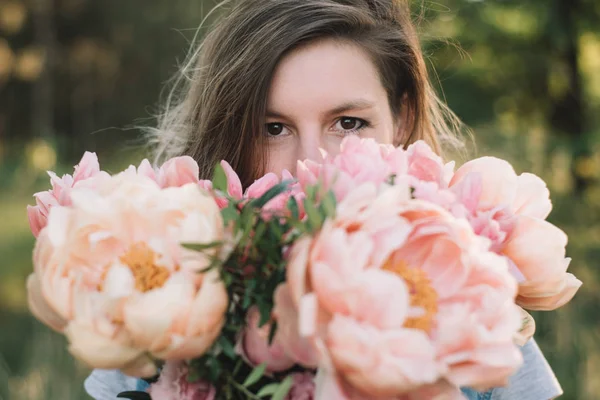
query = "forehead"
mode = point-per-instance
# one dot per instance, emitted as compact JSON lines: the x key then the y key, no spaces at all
{"x":324,"y":74}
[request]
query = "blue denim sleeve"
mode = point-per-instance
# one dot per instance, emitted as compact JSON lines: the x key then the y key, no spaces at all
{"x":106,"y":384}
{"x":534,"y":381}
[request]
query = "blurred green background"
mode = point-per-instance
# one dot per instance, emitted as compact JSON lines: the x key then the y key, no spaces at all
{"x":77,"y":75}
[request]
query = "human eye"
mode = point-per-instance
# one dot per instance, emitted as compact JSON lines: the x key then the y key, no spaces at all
{"x":350,"y":125}
{"x":275,"y":130}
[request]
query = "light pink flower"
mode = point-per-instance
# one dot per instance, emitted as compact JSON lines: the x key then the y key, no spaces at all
{"x":303,"y":386}
{"x":261,"y":186}
{"x":510,"y":210}
{"x":87,"y":168}
{"x":425,"y":165}
{"x":172,"y":384}
{"x":110,"y":272}
{"x":359,"y":161}
{"x":397,"y":294}
{"x":175,"y":172}
{"x":254,"y":345}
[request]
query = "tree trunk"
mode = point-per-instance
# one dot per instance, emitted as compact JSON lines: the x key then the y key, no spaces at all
{"x":567,"y":109}
{"x":43,"y":90}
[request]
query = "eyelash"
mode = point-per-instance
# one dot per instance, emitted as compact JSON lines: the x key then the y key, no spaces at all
{"x":363,"y":124}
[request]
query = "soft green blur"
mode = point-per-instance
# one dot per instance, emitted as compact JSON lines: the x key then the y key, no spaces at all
{"x":76,"y":75}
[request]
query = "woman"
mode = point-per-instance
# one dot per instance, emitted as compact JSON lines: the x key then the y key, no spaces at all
{"x":276,"y":80}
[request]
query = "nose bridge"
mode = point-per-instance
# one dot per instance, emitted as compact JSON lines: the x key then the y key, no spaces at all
{"x":310,"y":140}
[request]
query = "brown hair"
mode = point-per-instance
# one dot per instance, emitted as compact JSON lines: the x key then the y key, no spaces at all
{"x":219,"y":111}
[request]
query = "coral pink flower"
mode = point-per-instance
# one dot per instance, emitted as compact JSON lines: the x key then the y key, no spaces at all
{"x":87,"y":168}
{"x":397,"y":294}
{"x":173,"y":384}
{"x":510,"y":210}
{"x":110,"y":272}
{"x":254,"y":345}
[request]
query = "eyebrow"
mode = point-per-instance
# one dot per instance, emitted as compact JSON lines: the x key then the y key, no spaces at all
{"x":354,"y":105}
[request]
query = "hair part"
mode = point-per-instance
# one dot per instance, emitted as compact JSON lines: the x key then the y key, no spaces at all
{"x":216,"y":108}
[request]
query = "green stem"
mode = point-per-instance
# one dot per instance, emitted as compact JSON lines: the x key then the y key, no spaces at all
{"x":242,"y":389}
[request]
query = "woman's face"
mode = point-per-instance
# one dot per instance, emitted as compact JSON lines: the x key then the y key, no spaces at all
{"x":321,"y":93}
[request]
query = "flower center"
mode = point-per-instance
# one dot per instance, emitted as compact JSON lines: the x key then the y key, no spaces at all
{"x":141,"y":260}
{"x":422,"y":294}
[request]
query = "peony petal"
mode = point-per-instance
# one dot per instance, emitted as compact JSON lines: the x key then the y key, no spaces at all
{"x":533,"y":197}
{"x":178,"y":171}
{"x":87,"y":167}
{"x":58,"y":225}
{"x":551,"y":301}
{"x":537,"y":248}
{"x":145,"y":169}
{"x":209,"y":306}
{"x":181,"y":348}
{"x":234,"y":185}
{"x":36,"y":220}
{"x":141,"y":367}
{"x":149,"y":316}
{"x":381,"y":299}
{"x":288,"y":330}
{"x":99,"y":351}
{"x":261,"y":186}
{"x":296,"y":269}
{"x":498,"y":181}
{"x":119,"y":281}
{"x":40,"y":308}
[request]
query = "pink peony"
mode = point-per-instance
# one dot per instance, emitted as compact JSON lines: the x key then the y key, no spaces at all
{"x":254,"y":345}
{"x":59,"y":195}
{"x":260,"y":187}
{"x":425,"y":165}
{"x":172,"y":384}
{"x":175,"y":172}
{"x":303,"y":386}
{"x":397,"y":295}
{"x":110,"y":272}
{"x":510,"y":210}
{"x":359,"y":161}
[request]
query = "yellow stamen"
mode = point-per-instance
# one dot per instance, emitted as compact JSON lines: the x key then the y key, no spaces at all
{"x":141,"y":260}
{"x":422,"y":294}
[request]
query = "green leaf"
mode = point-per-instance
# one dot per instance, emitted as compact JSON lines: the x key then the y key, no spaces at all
{"x":312,"y":214}
{"x":270,"y":194}
{"x":283,"y":389}
{"x":255,"y":375}
{"x":292,"y":205}
{"x":227,"y":347}
{"x":265,"y":313}
{"x":220,"y":179}
{"x":391,"y":179}
{"x":272,"y":332}
{"x":229,"y":213}
{"x":193,"y":375}
{"x":311,"y":192}
{"x":328,"y":205}
{"x":247,"y":300}
{"x":268,"y":390}
{"x":214,"y":369}
{"x":260,"y":230}
{"x":201,"y":246}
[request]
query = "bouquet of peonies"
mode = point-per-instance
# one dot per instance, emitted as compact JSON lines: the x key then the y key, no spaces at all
{"x":380,"y":273}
